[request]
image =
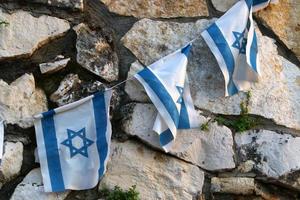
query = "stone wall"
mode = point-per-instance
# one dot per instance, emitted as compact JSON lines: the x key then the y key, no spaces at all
{"x":54,"y":52}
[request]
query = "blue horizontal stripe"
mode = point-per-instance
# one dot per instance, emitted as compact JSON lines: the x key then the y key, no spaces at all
{"x":166,"y":137}
{"x":253,"y":52}
{"x":184,"y":122}
{"x":101,"y":129}
{"x":186,"y":50}
{"x":50,"y":140}
{"x":161,"y":92}
{"x":226,"y":53}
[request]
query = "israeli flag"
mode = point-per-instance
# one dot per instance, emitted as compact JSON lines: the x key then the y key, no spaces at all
{"x":233,"y":41}
{"x":261,"y":4}
{"x":166,"y":84}
{"x":73,"y":143}
{"x":1,"y":139}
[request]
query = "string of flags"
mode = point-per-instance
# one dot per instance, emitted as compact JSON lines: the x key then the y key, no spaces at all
{"x":73,"y":141}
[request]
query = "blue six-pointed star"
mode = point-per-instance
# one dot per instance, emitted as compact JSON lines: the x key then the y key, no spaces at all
{"x":83,"y":150}
{"x":240,"y":42}
{"x":180,"y":90}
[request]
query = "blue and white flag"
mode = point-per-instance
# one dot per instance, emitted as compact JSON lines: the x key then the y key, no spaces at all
{"x":232,"y":40}
{"x":1,"y":138}
{"x":73,"y":143}
{"x":261,"y":4}
{"x":166,"y":84}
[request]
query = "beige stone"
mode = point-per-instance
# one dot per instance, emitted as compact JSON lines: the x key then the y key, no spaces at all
{"x":158,"y":8}
{"x":21,"y":100}
{"x":233,"y":185}
{"x":11,"y":162}
{"x":211,"y":150}
{"x":32,"y":188}
{"x":156,"y":175}
{"x":25,"y":33}
{"x":283,"y":19}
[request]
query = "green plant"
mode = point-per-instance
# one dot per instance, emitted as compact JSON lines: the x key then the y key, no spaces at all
{"x":119,"y":194}
{"x":243,"y":123}
{"x":205,"y":126}
{"x":4,"y":23}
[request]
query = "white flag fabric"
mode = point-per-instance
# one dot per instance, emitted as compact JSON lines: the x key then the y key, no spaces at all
{"x":1,"y":139}
{"x":260,"y":4}
{"x":232,"y":40}
{"x":73,"y":143}
{"x":166,"y":84}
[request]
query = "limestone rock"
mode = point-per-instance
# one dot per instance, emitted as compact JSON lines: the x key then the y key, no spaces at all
{"x":156,"y":176}
{"x":283,"y":19}
{"x":20,"y":100}
{"x":212,"y":150}
{"x":95,"y":53}
{"x":233,"y":185}
{"x":25,"y":33}
{"x":32,"y":188}
{"x":51,"y":67}
{"x":72,"y":89}
{"x":73,"y":4}
{"x":274,"y":154}
{"x":133,"y":87}
{"x":158,"y":8}
{"x":11,"y":162}
{"x":276,"y":92}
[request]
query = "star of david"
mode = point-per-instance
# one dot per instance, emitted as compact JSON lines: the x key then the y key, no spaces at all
{"x":240,"y":42}
{"x":180,"y":90}
{"x":77,"y":136}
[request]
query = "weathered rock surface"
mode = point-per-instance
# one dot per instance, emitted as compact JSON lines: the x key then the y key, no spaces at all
{"x":274,"y":154}
{"x":286,"y":24}
{"x":156,"y":176}
{"x":20,"y":100}
{"x":95,"y":53}
{"x":52,"y":67}
{"x":11,"y":162}
{"x":72,"y":89}
{"x":25,"y":33}
{"x":73,"y":4}
{"x":212,"y":150}
{"x":233,"y":185}
{"x":223,"y":5}
{"x":32,"y":188}
{"x":158,"y":8}
{"x":277,"y":91}
{"x":133,"y":87}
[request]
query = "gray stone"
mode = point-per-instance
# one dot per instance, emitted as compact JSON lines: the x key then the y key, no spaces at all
{"x":133,"y":87}
{"x":233,"y":185}
{"x":223,"y":5}
{"x":211,"y":150}
{"x":52,"y":67}
{"x":32,"y":188}
{"x":156,"y":175}
{"x":20,"y":100}
{"x":158,"y":8}
{"x":11,"y":162}
{"x":24,"y":33}
{"x":95,"y":53}
{"x":274,"y":154}
{"x":276,"y":92}
{"x":72,"y":89}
